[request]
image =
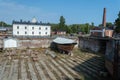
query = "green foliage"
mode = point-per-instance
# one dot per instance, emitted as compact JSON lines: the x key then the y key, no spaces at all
{"x":3,"y":24}
{"x":117,"y":23}
{"x":87,"y":28}
{"x":74,"y":28}
{"x":92,"y":24}
{"x":84,"y":28}
{"x":54,"y":27}
{"x":108,"y":24}
{"x":62,"y":23}
{"x":69,"y":30}
{"x":117,"y":29}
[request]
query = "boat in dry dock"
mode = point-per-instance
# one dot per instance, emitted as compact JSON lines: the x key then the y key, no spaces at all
{"x":64,"y":45}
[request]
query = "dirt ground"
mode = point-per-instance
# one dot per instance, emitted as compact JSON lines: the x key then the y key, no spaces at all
{"x":35,"y":64}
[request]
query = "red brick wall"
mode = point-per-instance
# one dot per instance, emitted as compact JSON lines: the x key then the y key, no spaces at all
{"x":108,"y":33}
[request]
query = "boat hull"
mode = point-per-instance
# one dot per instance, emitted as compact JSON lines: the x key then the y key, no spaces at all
{"x":65,"y":47}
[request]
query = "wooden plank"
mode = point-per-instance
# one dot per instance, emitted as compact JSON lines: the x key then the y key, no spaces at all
{"x":11,"y":71}
{"x":42,"y":75}
{"x":84,"y":69}
{"x":23,"y":70}
{"x":33,"y":75}
{"x":2,"y":62}
{"x":45,"y":72}
{"x":95,"y":66}
{"x":83,"y":63}
{"x":35,"y":69}
{"x":52,"y":76}
{"x":27,"y":70}
{"x":57,"y":72}
{"x":79,"y":70}
{"x":19,"y":66}
{"x":6,"y":72}
{"x":67,"y":62}
{"x":63,"y":70}
{"x":15,"y":70}
{"x":69,"y":69}
{"x":3,"y":69}
{"x":96,"y":61}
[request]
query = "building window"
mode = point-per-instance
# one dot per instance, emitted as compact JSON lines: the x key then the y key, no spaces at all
{"x":25,"y":32}
{"x":45,"y":28}
{"x":32,"y":32}
{"x":25,"y":27}
{"x":17,"y":32}
{"x":45,"y":32}
{"x":39,"y":32}
{"x":39,"y":28}
{"x":32,"y":28}
{"x":17,"y":27}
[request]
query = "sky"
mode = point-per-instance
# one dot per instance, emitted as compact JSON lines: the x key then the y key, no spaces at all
{"x":74,"y":11}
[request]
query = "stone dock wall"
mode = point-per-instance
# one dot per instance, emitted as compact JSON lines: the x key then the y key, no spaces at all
{"x":92,"y":44}
{"x":34,"y":43}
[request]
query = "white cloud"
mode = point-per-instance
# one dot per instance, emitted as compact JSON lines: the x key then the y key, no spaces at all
{"x":13,"y":11}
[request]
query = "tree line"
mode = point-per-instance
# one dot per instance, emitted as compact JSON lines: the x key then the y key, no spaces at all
{"x":4,"y":24}
{"x":117,"y":24}
{"x":76,"y":28}
{"x":84,"y":28}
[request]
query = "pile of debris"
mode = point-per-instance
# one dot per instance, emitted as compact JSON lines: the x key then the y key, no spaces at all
{"x":34,"y":55}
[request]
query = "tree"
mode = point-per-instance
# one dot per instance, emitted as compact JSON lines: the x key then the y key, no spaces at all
{"x":117,"y":23}
{"x":62,"y":23}
{"x":92,"y":24}
{"x":54,"y":27}
{"x":74,"y":28}
{"x":108,"y":24}
{"x":3,"y":24}
{"x":69,"y":30}
{"x":87,"y":28}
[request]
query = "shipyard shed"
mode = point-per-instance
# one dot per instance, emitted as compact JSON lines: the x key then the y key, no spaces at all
{"x":10,"y":43}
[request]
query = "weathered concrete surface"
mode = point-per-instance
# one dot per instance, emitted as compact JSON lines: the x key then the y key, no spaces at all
{"x":38,"y":43}
{"x":89,"y":44}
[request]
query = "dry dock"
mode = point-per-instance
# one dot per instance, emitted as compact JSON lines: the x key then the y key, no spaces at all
{"x":21,"y":65}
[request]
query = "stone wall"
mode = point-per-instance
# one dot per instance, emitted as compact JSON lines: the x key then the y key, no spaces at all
{"x":36,"y":43}
{"x":89,"y":44}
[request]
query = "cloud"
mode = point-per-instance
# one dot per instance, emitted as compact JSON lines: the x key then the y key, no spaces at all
{"x":14,"y":11}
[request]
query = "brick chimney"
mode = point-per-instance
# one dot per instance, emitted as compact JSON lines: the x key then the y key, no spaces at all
{"x":104,"y":18}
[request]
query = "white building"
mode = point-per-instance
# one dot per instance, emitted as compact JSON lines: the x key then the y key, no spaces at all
{"x":32,"y":28}
{"x":10,"y":43}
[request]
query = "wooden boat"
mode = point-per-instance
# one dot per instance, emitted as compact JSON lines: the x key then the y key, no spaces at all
{"x":64,"y":45}
{"x":112,"y":58}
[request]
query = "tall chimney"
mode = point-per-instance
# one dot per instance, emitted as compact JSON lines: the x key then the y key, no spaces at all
{"x":104,"y":18}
